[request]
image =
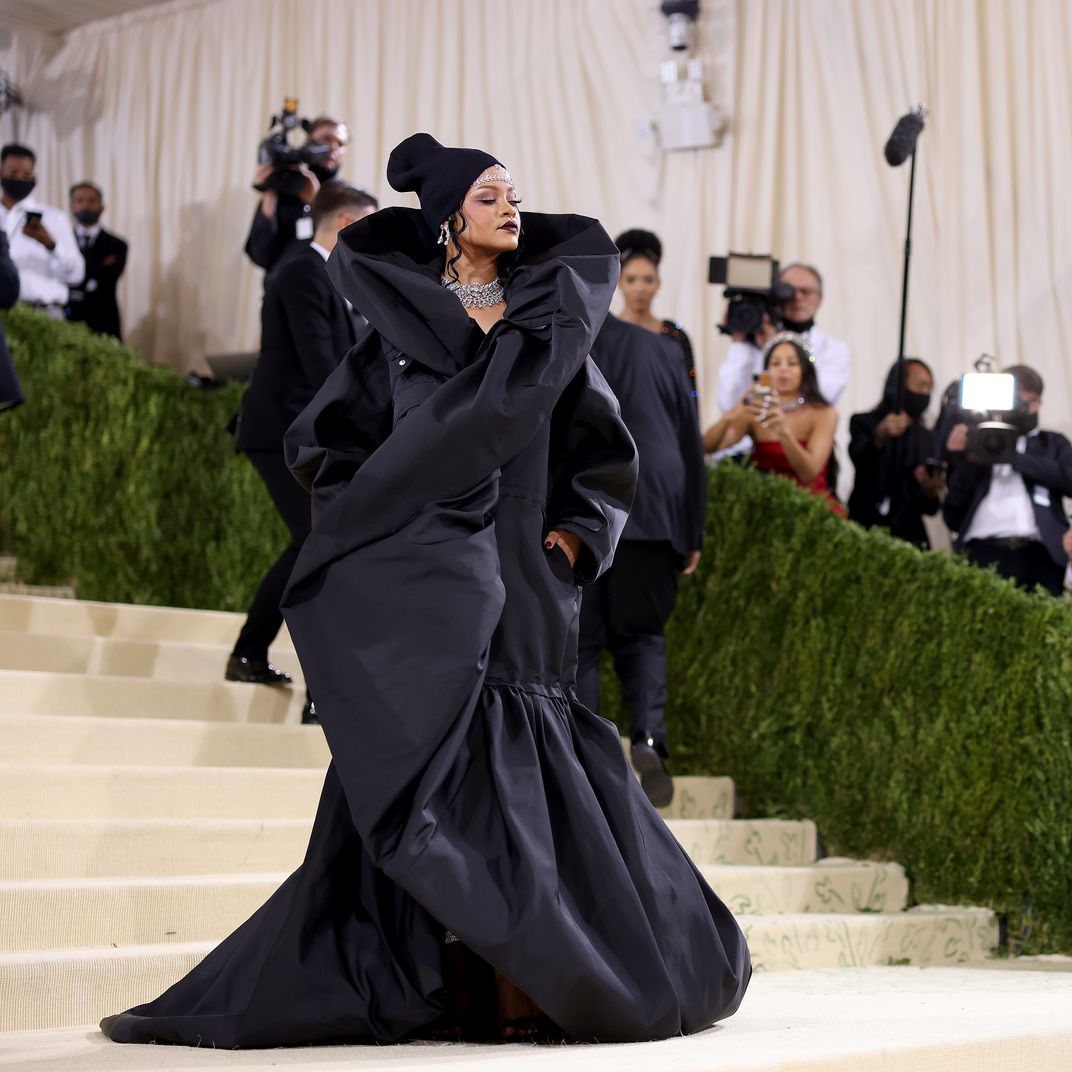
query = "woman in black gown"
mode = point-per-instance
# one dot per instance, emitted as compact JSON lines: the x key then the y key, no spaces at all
{"x":467,"y":473}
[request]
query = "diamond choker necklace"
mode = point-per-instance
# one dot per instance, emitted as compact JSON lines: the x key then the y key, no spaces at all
{"x":475,"y":295}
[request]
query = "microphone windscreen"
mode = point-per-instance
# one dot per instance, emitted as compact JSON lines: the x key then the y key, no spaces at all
{"x":902,"y":141}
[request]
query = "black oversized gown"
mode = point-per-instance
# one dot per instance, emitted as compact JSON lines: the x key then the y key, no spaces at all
{"x":469,"y":790}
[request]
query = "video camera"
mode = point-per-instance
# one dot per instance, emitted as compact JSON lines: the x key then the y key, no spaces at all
{"x":752,"y":291}
{"x":988,"y":403}
{"x":285,"y":158}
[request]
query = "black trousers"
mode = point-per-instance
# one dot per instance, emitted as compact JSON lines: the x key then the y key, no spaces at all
{"x":1027,"y":564}
{"x":292,"y":502}
{"x":626,"y":611}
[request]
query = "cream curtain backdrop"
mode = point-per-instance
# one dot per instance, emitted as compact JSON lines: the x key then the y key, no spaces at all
{"x":164,"y":108}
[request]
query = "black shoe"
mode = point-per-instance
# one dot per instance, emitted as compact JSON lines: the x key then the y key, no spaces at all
{"x":309,"y":715}
{"x":655,"y":780}
{"x":255,"y":672}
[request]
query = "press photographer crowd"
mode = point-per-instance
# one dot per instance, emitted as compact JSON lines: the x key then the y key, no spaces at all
{"x":996,"y":478}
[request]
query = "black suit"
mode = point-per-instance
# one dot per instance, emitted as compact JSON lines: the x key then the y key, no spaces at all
{"x":93,"y":301}
{"x":1046,"y":468}
{"x":306,"y":329}
{"x":10,"y":391}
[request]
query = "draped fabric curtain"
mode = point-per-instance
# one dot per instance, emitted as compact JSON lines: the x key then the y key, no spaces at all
{"x":164,"y":108}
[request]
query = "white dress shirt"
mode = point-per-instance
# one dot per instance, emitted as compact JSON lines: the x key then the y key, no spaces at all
{"x":1006,"y":511}
{"x":744,"y":360}
{"x":44,"y":275}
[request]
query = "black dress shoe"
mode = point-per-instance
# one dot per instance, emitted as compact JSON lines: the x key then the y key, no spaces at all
{"x":655,"y":780}
{"x":255,"y":672}
{"x":308,"y":715}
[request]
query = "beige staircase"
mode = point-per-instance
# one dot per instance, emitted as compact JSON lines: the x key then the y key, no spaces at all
{"x":147,"y":807}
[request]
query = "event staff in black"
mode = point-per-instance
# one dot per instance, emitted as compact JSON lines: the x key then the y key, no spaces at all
{"x":626,"y":609}
{"x":284,"y":220}
{"x":1012,"y":516}
{"x":306,"y":330}
{"x":894,"y":452}
{"x":10,"y":390}
{"x":93,"y":301}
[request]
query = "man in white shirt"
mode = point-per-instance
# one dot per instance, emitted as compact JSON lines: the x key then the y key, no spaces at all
{"x":40,"y":237}
{"x":833,"y":358}
{"x":1012,"y":515}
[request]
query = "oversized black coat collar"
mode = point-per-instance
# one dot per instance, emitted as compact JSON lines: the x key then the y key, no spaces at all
{"x":389,"y":269}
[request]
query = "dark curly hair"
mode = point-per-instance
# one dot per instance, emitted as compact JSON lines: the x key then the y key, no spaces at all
{"x":637,"y":243}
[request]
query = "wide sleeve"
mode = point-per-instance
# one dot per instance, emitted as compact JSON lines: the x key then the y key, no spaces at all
{"x":692,"y":452}
{"x":347,"y":420}
{"x":593,"y":470}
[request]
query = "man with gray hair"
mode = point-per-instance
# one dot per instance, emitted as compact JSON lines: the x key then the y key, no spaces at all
{"x":833,"y":358}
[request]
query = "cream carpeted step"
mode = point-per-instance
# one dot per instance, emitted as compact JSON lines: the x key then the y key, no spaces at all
{"x":64,"y":913}
{"x":953,"y":1019}
{"x":34,"y":614}
{"x":700,"y":798}
{"x":30,"y":791}
{"x":81,"y":986}
{"x":30,"y":692}
{"x":36,"y":591}
{"x":121,"y":657}
{"x":747,"y":841}
{"x":78,"y":848}
{"x":927,"y":934}
{"x":77,"y":913}
{"x":96,"y":848}
{"x":66,"y":987}
{"x":159,"y":742}
{"x":830,"y":885}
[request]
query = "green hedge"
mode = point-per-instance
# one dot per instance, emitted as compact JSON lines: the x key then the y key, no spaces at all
{"x":120,"y":478}
{"x":915,"y":708}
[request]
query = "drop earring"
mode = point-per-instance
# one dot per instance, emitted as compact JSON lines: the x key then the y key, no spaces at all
{"x":444,"y":235}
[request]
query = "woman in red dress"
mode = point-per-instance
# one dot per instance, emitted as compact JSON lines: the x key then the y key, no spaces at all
{"x":792,"y":426}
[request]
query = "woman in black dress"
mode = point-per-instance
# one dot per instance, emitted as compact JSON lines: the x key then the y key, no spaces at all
{"x":483,"y":861}
{"x":641,"y":252}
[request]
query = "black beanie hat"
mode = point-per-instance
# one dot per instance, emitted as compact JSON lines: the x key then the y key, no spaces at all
{"x":439,"y":175}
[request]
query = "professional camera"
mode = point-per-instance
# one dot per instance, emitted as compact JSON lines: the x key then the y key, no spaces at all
{"x":988,"y":403}
{"x":752,"y":291}
{"x":285,"y":158}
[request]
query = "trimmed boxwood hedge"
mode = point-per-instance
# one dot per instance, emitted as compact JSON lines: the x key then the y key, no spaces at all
{"x":916,"y":708}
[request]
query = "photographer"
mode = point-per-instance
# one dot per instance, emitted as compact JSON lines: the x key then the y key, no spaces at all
{"x":833,"y":358}
{"x":893,"y":452}
{"x":283,"y":219}
{"x":1012,"y":516}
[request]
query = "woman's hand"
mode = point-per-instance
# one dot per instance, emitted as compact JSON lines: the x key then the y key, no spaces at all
{"x":692,"y":560}
{"x":569,"y":542}
{"x":775,"y":420}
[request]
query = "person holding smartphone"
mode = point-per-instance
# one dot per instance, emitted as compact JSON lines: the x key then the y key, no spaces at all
{"x":40,"y":237}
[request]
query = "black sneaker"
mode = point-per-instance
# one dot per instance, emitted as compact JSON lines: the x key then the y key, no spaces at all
{"x":255,"y":672}
{"x":655,"y":780}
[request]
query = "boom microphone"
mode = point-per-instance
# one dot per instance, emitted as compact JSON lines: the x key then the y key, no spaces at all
{"x":902,"y":143}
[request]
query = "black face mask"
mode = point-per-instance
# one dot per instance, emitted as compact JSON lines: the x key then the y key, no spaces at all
{"x":915,"y":404}
{"x":1024,"y":421}
{"x":324,"y":174}
{"x":799,"y":326}
{"x":87,"y":217}
{"x":17,"y":189}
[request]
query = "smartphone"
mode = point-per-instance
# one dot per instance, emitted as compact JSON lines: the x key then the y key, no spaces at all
{"x":32,"y":217}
